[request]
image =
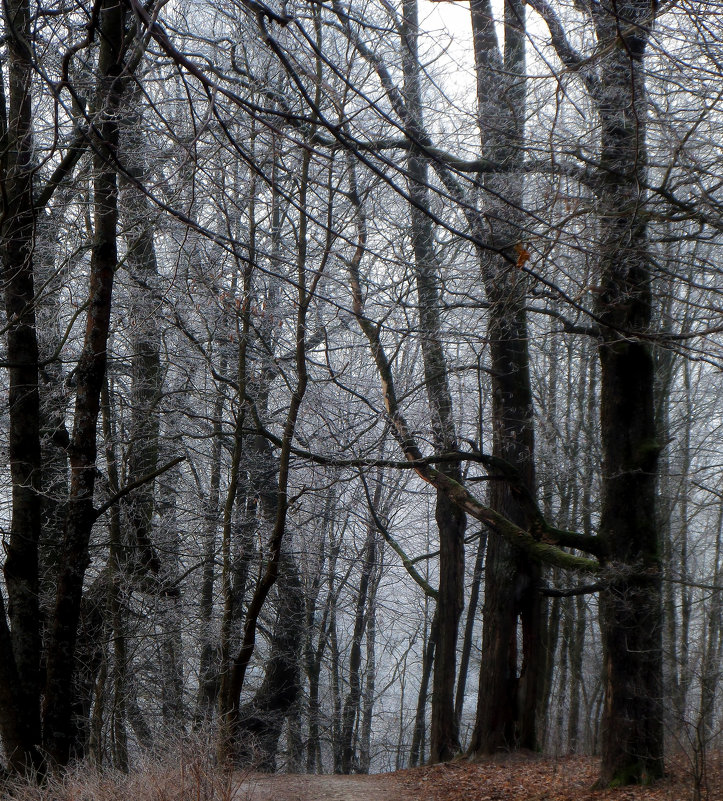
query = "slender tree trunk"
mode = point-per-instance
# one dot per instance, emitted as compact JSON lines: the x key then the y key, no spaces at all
{"x":370,"y":674}
{"x":352,"y":701}
{"x":711,"y":659}
{"x":469,"y":625}
{"x":451,"y":520}
{"x":117,"y":598}
{"x":171,"y":614}
{"x":144,"y":425}
{"x":335,"y":691}
{"x":576,"y":675}
{"x":313,"y":654}
{"x":416,"y":753}
{"x":305,"y":292}
{"x":208,"y":676}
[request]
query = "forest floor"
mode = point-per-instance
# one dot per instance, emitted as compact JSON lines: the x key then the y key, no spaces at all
{"x":530,"y":777}
{"x":513,"y":778}
{"x":519,"y":777}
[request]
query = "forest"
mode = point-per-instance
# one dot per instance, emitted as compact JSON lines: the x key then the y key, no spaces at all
{"x":361,"y":382}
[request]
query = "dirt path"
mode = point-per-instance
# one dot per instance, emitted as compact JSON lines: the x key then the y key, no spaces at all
{"x":260,"y":787}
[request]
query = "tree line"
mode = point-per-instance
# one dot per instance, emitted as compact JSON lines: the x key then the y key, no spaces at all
{"x":349,"y":362}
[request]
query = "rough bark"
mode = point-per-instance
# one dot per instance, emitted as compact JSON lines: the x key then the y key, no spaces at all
{"x":20,"y":640}
{"x":507,"y":700}
{"x":90,"y":374}
{"x":631,"y":618}
{"x":144,"y":424}
{"x":261,"y":720}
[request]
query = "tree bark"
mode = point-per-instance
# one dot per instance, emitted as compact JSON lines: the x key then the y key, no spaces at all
{"x":20,"y":641}
{"x":631,"y":619}
{"x":352,"y":701}
{"x":469,"y":626}
{"x":507,"y":699}
{"x":416,"y":752}
{"x":451,"y":520}
{"x":90,"y":374}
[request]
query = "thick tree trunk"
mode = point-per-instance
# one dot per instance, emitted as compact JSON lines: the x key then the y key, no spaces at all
{"x":631,"y":619}
{"x":144,"y":424}
{"x":20,"y":638}
{"x":90,"y":374}
{"x":507,"y":700}
{"x":260,"y":722}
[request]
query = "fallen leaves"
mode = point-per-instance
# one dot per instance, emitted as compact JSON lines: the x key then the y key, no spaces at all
{"x":529,"y":777}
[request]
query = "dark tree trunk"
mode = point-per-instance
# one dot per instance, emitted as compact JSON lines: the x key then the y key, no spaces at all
{"x":451,"y":520}
{"x":144,"y":425}
{"x":416,"y":753}
{"x":370,"y":671}
{"x":469,"y":625}
{"x":20,"y":638}
{"x":90,"y":374}
{"x":117,"y":596}
{"x":631,"y":619}
{"x":353,"y":698}
{"x":314,"y":653}
{"x":208,"y":676}
{"x":509,"y":682}
{"x":576,"y":675}
{"x":261,"y":720}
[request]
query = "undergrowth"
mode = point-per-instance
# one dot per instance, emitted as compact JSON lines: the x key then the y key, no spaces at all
{"x":179,"y":775}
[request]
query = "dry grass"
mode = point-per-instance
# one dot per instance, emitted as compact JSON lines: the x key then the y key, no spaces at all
{"x":181,"y":775}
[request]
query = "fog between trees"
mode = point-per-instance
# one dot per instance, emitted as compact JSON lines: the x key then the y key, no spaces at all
{"x":361,"y":413}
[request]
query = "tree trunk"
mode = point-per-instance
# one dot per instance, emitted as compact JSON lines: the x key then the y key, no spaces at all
{"x":469,"y":625}
{"x":631,"y":623}
{"x":416,"y":753}
{"x":261,"y":720}
{"x":90,"y":374}
{"x":20,"y":628}
{"x":451,"y":520}
{"x":370,"y":675}
{"x":509,"y":682}
{"x":208,"y":675}
{"x":117,"y":595}
{"x":144,"y":425}
{"x":352,"y":701}
{"x":313,"y":654}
